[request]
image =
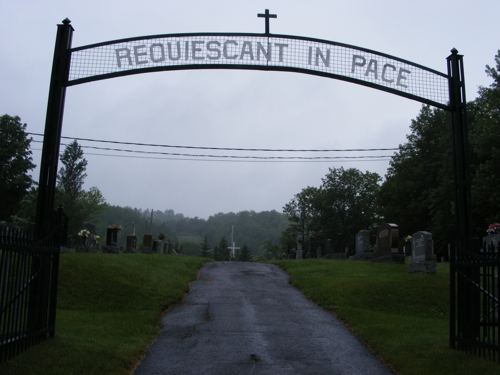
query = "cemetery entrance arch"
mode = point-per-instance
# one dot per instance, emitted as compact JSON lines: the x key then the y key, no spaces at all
{"x":267,"y":52}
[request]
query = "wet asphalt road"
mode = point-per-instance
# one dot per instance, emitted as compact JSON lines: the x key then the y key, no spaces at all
{"x":244,"y":318}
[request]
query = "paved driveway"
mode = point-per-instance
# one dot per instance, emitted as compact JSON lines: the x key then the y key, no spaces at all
{"x":244,"y":318}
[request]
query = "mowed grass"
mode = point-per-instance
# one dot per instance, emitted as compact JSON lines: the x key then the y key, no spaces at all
{"x":109,"y":312}
{"x":402,"y":317}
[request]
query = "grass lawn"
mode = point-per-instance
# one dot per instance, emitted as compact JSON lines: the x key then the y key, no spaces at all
{"x":109,"y":312}
{"x":402,"y":317}
{"x":110,"y":307}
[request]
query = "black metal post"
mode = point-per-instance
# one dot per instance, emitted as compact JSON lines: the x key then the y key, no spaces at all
{"x":461,"y":158}
{"x":53,"y":126}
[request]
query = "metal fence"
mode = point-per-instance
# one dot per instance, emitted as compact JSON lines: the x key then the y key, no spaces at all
{"x":28,"y":286}
{"x":474,"y":301}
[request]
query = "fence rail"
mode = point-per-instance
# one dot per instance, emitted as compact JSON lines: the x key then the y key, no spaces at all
{"x":474,"y":301}
{"x":29,"y":270}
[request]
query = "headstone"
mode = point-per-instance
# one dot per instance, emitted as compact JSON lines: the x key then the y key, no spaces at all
{"x":147,"y":244}
{"x":491,"y":243}
{"x":111,"y":246}
{"x":363,"y":242}
{"x":111,"y":236}
{"x":422,"y":246}
{"x":300,"y":253}
{"x":131,"y":244}
{"x":157,"y":246}
{"x":319,"y":254}
{"x":424,"y":260}
{"x":387,"y":245}
{"x":164,"y":248}
{"x":90,"y":239}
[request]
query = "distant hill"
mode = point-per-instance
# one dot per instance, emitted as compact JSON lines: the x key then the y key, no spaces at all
{"x":250,"y":227}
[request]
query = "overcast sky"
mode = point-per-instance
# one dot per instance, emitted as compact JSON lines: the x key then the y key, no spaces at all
{"x":232,"y":108}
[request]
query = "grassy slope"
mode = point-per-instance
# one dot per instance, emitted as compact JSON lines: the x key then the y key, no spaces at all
{"x":109,"y":311}
{"x":402,"y":317}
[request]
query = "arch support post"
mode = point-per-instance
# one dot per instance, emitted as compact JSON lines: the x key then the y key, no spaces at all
{"x":460,"y":140}
{"x":53,"y":126}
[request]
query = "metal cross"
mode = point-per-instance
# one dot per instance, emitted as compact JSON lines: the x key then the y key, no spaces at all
{"x":267,"y":16}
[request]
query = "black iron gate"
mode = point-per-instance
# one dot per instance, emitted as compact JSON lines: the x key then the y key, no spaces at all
{"x":28,"y":285}
{"x":474,"y":304}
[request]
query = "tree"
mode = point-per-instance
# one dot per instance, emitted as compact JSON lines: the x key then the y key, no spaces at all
{"x":348,"y":203}
{"x":79,"y":205}
{"x":216,"y":254}
{"x":205,"y":248}
{"x":245,"y":254}
{"x":15,"y":162}
{"x":302,"y":211}
{"x":485,"y":145}
{"x":272,"y":251}
{"x":418,"y":191}
{"x":224,"y":252}
{"x":72,"y":175}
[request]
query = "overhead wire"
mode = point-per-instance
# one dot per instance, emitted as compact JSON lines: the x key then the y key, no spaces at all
{"x":196,"y":157}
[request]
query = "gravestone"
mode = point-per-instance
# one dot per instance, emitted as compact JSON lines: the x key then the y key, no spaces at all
{"x":157,"y":246}
{"x":363,"y":242}
{"x":491,"y":243}
{"x":300,"y":253}
{"x":147,"y":244}
{"x":328,"y":247}
{"x":86,"y":241}
{"x":363,"y":247}
{"x":111,"y":246}
{"x":424,"y":261}
{"x":422,"y":246}
{"x":319,"y":254}
{"x":387,"y":245}
{"x":164,"y":248}
{"x":131,"y":244}
{"x":90,"y":239}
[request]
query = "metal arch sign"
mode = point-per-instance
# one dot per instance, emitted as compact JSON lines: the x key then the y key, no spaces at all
{"x":270,"y":52}
{"x":259,"y":52}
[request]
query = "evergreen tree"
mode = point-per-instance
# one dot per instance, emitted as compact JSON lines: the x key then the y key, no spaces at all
{"x":71,"y":176}
{"x":15,"y":163}
{"x":245,"y":254}
{"x":205,"y":248}
{"x":216,"y":254}
{"x":79,"y":205}
{"x":224,"y":252}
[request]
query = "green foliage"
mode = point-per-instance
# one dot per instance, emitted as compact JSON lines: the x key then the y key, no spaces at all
{"x":245,"y":254}
{"x":407,"y":329}
{"x":485,"y":142}
{"x":109,"y":312}
{"x":224,"y":252}
{"x":418,"y":191}
{"x":205,"y":248}
{"x":343,"y":204}
{"x":79,"y":205}
{"x":15,"y":163}
{"x":72,"y":174}
{"x":271,"y":251}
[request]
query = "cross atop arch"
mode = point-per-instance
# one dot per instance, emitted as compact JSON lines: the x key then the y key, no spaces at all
{"x":267,"y":16}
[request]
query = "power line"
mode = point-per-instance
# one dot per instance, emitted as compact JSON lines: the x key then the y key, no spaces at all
{"x":226,"y":148}
{"x":382,"y":158}
{"x":290,"y":158}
